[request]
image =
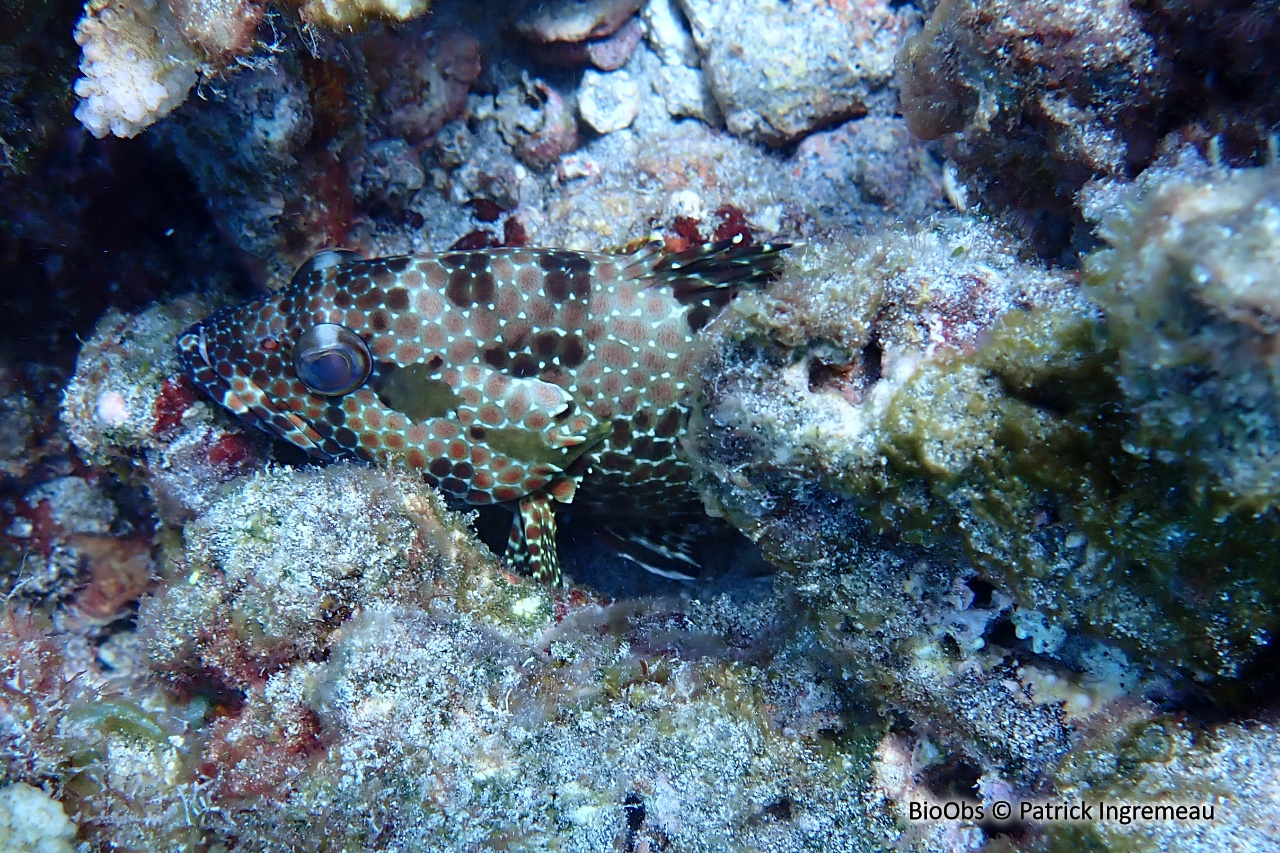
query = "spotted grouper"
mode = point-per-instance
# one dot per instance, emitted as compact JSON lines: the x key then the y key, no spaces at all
{"x":523,"y":377}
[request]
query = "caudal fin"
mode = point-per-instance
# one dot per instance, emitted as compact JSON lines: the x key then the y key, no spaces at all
{"x":662,"y":549}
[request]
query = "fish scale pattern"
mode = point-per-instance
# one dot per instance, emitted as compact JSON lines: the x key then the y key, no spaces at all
{"x":504,"y":375}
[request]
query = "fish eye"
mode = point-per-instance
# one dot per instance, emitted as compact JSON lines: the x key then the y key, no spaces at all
{"x":331,"y":359}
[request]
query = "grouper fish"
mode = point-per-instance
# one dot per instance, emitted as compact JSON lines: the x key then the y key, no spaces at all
{"x":524,"y":377}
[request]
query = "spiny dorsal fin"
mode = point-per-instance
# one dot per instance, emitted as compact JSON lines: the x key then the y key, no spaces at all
{"x":722,"y":265}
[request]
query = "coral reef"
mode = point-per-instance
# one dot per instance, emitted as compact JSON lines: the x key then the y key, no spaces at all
{"x":141,"y":58}
{"x":302,"y":152}
{"x":1016,"y":520}
{"x":253,"y":606}
{"x":931,"y":434}
{"x":349,"y":14}
{"x":846,"y":404}
{"x":1035,"y":99}
{"x":402,"y":671}
{"x":578,"y":749}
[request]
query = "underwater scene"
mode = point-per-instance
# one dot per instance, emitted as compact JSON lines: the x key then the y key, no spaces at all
{"x":645,"y":426}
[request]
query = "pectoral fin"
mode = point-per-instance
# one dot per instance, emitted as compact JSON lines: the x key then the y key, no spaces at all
{"x":531,"y":547}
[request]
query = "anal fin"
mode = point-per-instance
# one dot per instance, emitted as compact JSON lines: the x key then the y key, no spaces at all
{"x":531,"y":546}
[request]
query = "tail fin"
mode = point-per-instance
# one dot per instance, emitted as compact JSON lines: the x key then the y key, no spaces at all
{"x":656,"y":547}
{"x":719,"y":268}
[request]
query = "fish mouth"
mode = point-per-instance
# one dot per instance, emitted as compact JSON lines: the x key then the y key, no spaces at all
{"x":232,"y":388}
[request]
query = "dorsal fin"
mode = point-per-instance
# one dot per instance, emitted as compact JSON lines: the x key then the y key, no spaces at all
{"x":722,"y":265}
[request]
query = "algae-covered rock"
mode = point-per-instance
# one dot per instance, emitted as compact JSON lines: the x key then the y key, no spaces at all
{"x":274,"y":567}
{"x":782,"y":70}
{"x":1192,"y":297}
{"x":109,"y":745}
{"x":930,"y":432}
{"x":1033,"y":98}
{"x":371,"y":679}
{"x":452,"y":736}
{"x":847,"y":424}
{"x":1159,"y":782}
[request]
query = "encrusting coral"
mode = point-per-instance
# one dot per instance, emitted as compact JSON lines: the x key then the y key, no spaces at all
{"x":137,"y":67}
{"x":349,"y":14}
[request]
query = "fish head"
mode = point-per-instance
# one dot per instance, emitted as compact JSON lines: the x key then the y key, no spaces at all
{"x":336,"y":364}
{"x":276,"y":368}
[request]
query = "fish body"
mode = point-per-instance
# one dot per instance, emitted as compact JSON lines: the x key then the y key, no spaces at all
{"x":521,"y":376}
